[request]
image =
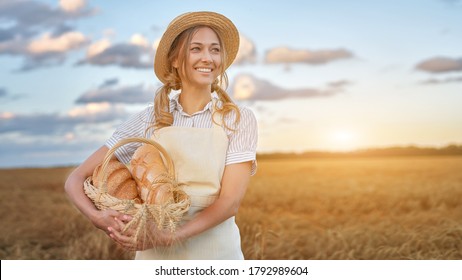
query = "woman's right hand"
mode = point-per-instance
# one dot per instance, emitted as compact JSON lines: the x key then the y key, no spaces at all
{"x":151,"y":239}
{"x":105,"y":219}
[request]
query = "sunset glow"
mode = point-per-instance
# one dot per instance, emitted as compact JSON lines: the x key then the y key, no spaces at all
{"x":343,"y":140}
{"x":327,"y":76}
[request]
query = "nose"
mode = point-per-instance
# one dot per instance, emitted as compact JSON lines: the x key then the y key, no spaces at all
{"x":206,"y":57}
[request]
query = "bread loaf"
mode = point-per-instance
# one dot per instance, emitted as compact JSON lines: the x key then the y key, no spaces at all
{"x":147,"y":166}
{"x":120,"y":182}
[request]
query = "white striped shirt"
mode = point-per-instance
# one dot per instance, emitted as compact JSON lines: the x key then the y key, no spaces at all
{"x":242,"y":140}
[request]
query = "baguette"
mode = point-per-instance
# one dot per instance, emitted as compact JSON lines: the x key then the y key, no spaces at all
{"x":147,"y":166}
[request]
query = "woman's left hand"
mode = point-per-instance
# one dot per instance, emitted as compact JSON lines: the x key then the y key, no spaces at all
{"x":150,"y":239}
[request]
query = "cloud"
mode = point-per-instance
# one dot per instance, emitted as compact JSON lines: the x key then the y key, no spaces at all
{"x":56,"y":139}
{"x":248,"y":87}
{"x":71,"y":5}
{"x":32,"y":17}
{"x":340,"y":84}
{"x":52,"y":123}
{"x":109,"y":82}
{"x":63,"y":43}
{"x":111,"y":93}
{"x":247,"y":51}
{"x":109,"y":32}
{"x":46,"y":151}
{"x":40,"y":33}
{"x":442,"y":81}
{"x":98,"y":47}
{"x":6,"y":96}
{"x":47,"y":50}
{"x":287,"y":55}
{"x":137,"y":53}
{"x":139,"y":40}
{"x":440,"y":65}
{"x":58,"y":148}
{"x":126,"y":55}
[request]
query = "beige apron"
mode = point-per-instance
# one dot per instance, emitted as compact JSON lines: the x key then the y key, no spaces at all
{"x":199,"y":156}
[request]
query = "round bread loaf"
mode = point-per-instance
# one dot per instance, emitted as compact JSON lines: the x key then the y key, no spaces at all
{"x":120,"y":182}
{"x":147,"y":166}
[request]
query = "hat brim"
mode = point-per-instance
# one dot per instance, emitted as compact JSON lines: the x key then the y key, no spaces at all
{"x":225,"y":28}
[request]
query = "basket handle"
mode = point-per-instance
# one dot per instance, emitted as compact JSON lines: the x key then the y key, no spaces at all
{"x":107,"y":157}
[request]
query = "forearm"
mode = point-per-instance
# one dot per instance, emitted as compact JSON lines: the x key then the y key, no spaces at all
{"x":75,"y":192}
{"x":75,"y":181}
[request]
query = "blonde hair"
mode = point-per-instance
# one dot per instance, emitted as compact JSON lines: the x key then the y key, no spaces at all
{"x":163,"y":116}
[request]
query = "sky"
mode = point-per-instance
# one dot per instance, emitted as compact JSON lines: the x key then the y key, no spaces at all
{"x":319,"y":75}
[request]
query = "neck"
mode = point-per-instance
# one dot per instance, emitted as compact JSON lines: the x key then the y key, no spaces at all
{"x":193,"y":100}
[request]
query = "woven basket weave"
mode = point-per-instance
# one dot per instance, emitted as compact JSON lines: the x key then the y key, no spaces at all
{"x":165,"y":216}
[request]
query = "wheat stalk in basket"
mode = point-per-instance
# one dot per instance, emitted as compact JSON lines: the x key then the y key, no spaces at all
{"x":165,"y":216}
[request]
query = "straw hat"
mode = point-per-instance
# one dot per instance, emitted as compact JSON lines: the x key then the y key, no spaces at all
{"x":225,"y":28}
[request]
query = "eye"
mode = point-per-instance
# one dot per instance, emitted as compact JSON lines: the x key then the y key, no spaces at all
{"x":195,"y":49}
{"x":216,"y":50}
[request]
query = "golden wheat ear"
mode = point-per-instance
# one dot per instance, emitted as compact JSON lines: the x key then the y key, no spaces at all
{"x":165,"y":214}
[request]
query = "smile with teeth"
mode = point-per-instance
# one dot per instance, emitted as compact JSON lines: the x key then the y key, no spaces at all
{"x":204,"y":70}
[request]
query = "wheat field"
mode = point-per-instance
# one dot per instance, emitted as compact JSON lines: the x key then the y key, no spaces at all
{"x":364,"y":208}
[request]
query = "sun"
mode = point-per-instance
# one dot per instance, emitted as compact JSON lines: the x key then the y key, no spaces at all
{"x":343,"y":139}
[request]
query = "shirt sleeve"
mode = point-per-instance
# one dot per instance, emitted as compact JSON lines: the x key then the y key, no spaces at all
{"x":135,"y":126}
{"x":243,"y":141}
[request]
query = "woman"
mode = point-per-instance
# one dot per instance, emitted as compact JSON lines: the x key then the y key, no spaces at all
{"x":211,"y":141}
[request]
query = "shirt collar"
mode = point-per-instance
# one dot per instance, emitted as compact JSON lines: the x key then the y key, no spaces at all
{"x":175,"y":104}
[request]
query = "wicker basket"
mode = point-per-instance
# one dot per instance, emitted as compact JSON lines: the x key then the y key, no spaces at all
{"x":165,"y":216}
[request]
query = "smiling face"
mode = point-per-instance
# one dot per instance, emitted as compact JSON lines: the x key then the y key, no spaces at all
{"x":203,"y":61}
